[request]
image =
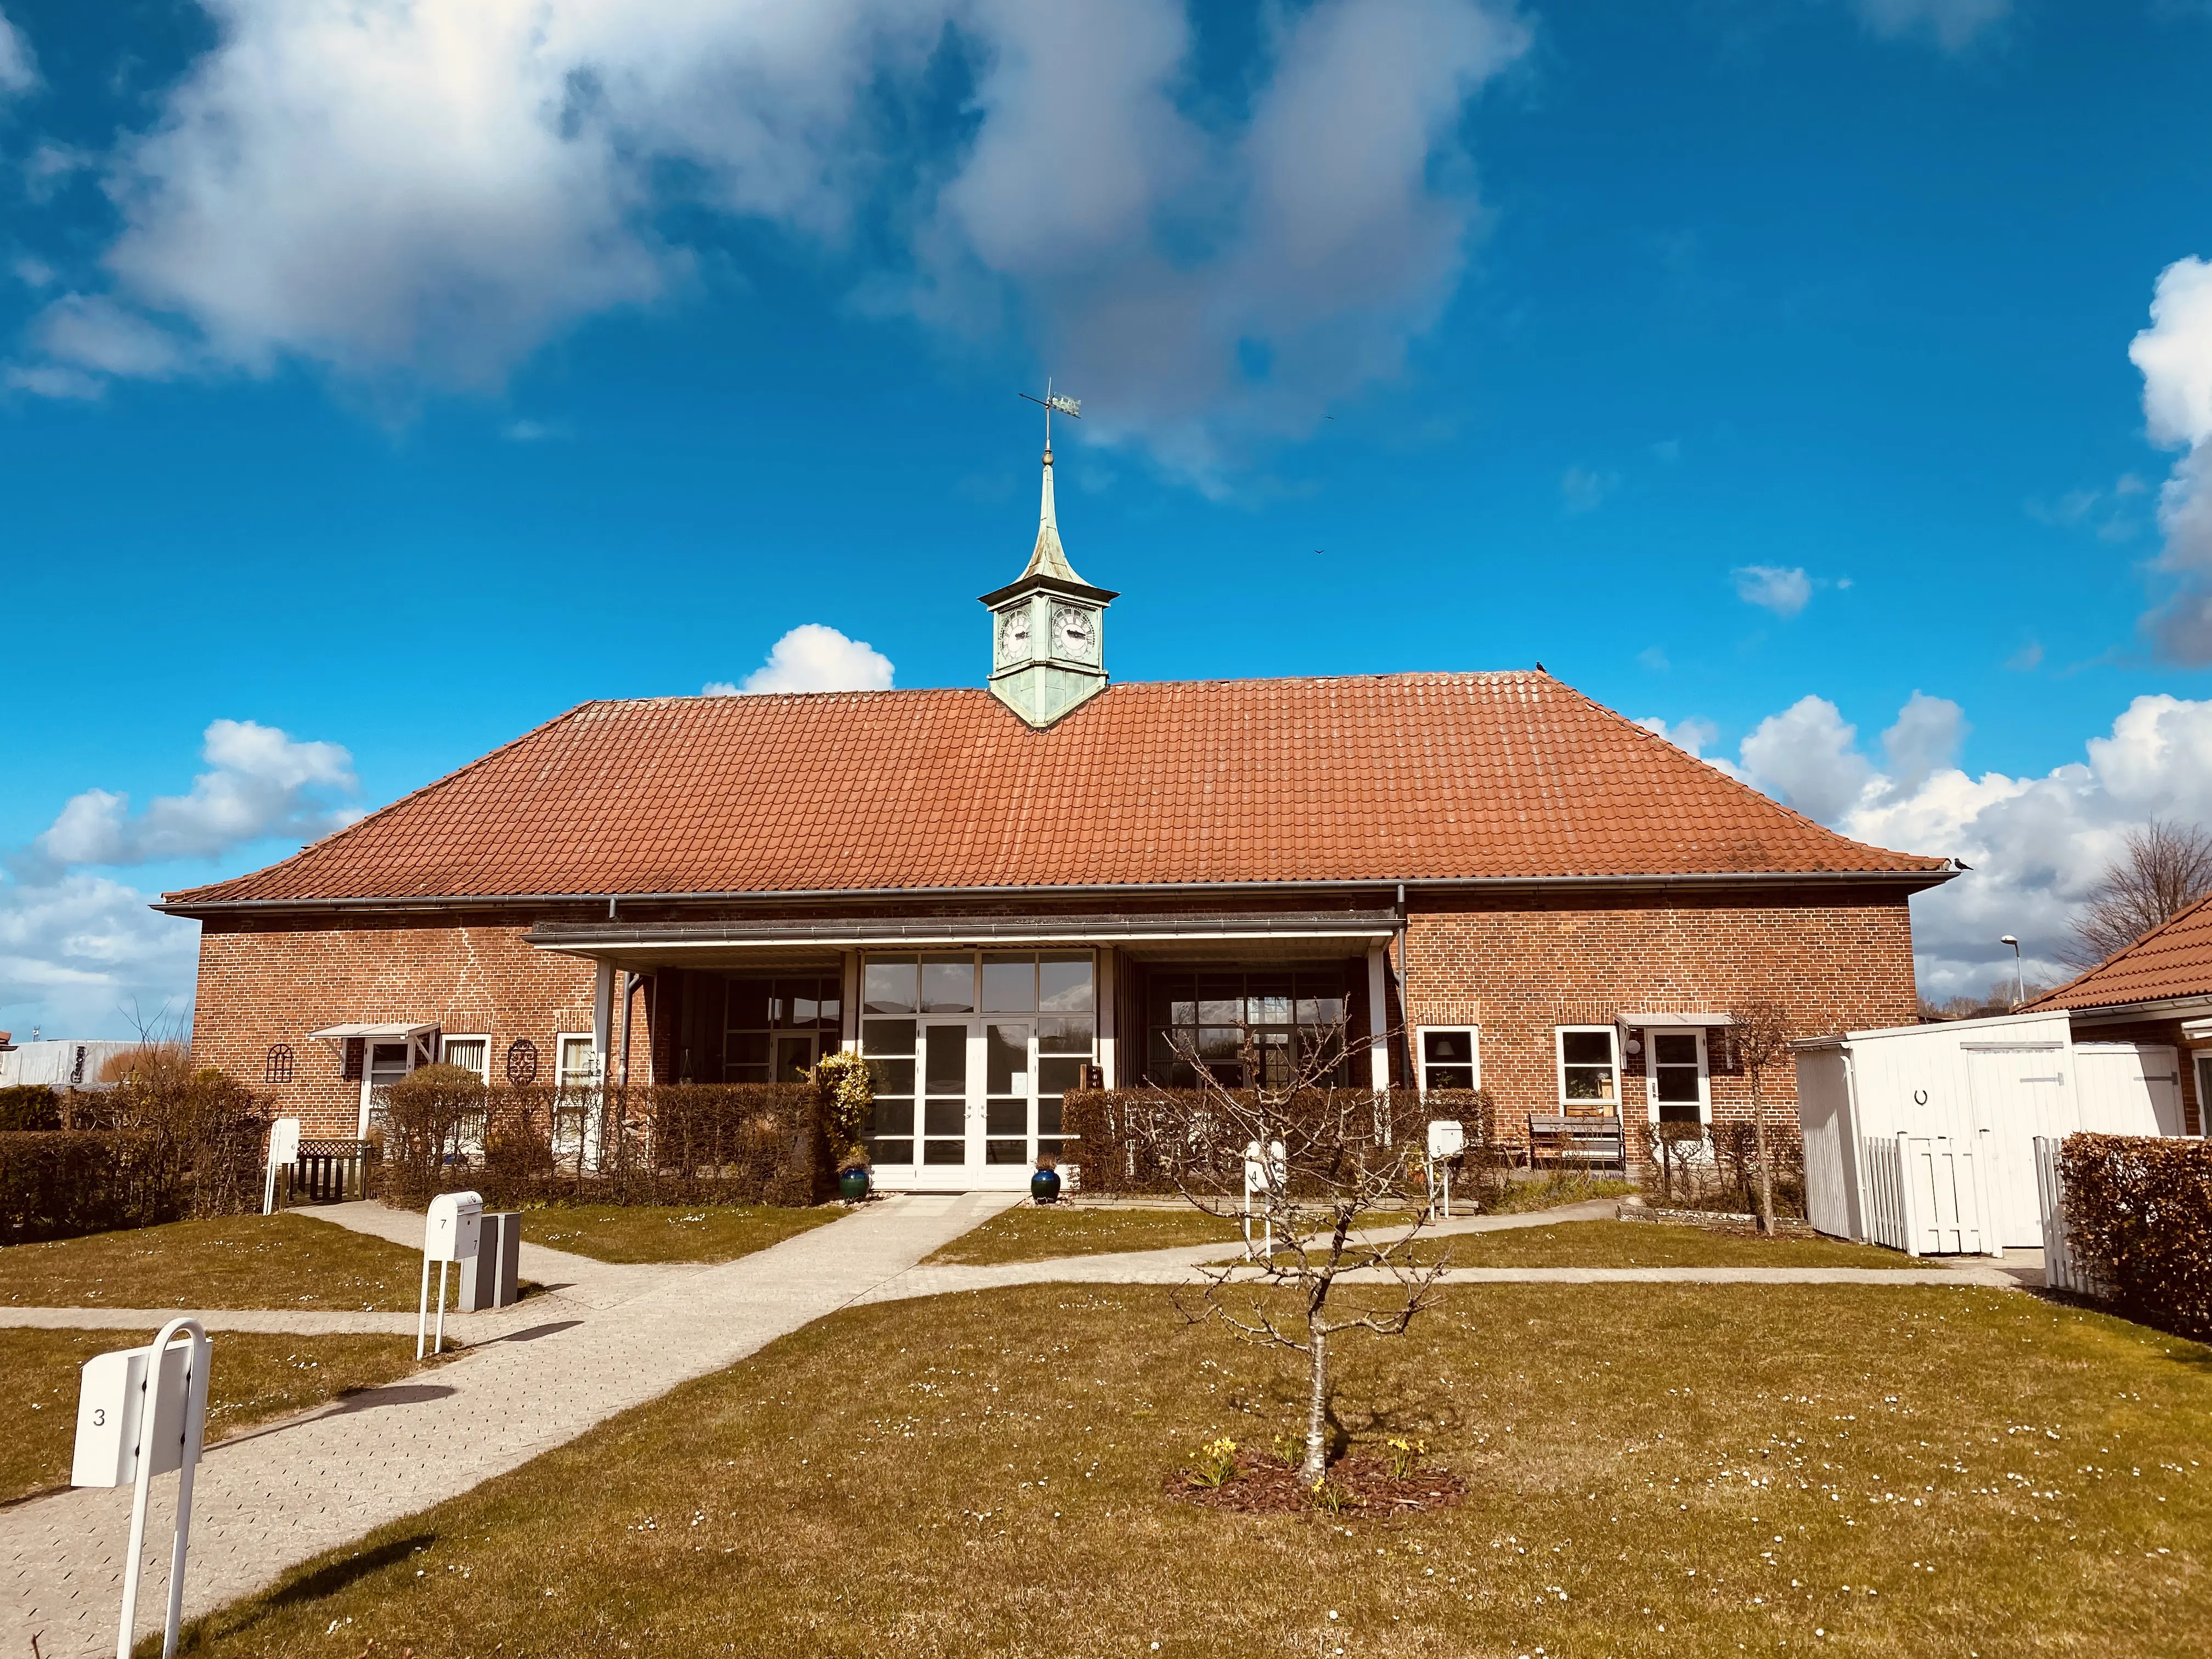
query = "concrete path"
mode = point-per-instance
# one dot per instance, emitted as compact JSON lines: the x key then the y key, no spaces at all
{"x":271,"y":1499}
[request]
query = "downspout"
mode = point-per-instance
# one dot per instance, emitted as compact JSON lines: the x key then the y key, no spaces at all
{"x":1409,"y":1078}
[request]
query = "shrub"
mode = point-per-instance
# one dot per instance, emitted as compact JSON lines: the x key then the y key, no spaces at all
{"x":30,"y":1106}
{"x":61,"y":1183}
{"x":2139,"y":1218}
{"x":740,"y":1143}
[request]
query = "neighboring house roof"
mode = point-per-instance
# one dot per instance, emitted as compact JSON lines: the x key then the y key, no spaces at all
{"x":1379,"y":778}
{"x":2173,"y":960}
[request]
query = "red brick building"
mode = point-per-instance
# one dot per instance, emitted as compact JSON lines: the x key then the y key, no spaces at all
{"x":1494,"y":879}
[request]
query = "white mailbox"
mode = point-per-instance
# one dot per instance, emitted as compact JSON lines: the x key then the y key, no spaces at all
{"x":454,"y":1232}
{"x":112,"y":1434}
{"x":456,"y":1222}
{"x":1447,"y":1137}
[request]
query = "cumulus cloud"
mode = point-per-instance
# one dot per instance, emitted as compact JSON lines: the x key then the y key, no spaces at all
{"x":259,"y":783}
{"x":1691,"y":735}
{"x":430,"y":192}
{"x":18,"y":72}
{"x":1952,"y":24}
{"x":1785,"y":590}
{"x":2037,"y":844}
{"x":78,"y":951}
{"x":812,"y":657}
{"x":2174,"y":355}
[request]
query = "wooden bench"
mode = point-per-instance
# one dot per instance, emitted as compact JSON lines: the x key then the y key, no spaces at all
{"x":1589,"y":1142}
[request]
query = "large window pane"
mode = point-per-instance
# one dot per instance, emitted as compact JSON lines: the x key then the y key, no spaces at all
{"x":1005,"y":1059}
{"x":749,"y":1000}
{"x":797,"y":1001}
{"x":890,"y":1077}
{"x":945,"y":1049}
{"x":1009,"y":984}
{"x":1064,"y":984}
{"x":887,"y":1036}
{"x":948,"y":985}
{"x":1447,"y":1048}
{"x":1586,"y":1048}
{"x":890,"y":986}
{"x":1057,"y":1077}
{"x":1064,"y":1034}
{"x":1174,"y":999}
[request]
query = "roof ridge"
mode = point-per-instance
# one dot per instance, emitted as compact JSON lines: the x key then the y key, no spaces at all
{"x":984,"y":691}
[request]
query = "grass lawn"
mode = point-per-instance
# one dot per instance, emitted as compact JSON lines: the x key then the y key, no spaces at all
{"x":1027,"y":1235}
{"x":707,"y":1232}
{"x":232,"y":1261}
{"x":1675,"y":1469}
{"x":1554,"y":1188}
{"x":1651,"y":1244}
{"x":252,"y":1378}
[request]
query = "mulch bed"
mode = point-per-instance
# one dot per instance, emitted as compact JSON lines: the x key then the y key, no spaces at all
{"x":1264,"y":1485}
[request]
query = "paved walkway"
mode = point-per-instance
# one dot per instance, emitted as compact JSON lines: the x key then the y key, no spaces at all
{"x":268,"y":1500}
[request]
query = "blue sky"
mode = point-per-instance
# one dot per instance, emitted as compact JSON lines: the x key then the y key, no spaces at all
{"x":382,"y":381}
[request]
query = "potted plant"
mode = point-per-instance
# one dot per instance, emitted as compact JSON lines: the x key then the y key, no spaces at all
{"x":852,"y":1179}
{"x":845,"y":1094}
{"x":1044,"y":1185}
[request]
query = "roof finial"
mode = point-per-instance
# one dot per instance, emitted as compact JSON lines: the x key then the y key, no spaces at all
{"x":1049,"y":558}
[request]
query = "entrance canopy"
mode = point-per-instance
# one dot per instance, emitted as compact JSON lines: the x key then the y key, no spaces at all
{"x":391,"y":1031}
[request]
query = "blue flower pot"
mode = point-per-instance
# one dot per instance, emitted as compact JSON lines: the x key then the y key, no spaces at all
{"x":852,"y":1185}
{"x":1044,"y":1187}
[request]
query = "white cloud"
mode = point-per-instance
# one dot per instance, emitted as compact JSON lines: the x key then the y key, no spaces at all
{"x":1952,"y":24}
{"x":18,"y":70}
{"x":1691,"y":735}
{"x":260,"y":783}
{"x":2174,"y":355}
{"x":2037,"y":845}
{"x":79,"y":950}
{"x":812,"y":657}
{"x":1583,"y":489}
{"x":430,"y":192}
{"x":1771,"y":587}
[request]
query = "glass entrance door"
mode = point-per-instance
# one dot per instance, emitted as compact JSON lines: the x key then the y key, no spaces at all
{"x":1008,"y":1100}
{"x":945,"y":1105}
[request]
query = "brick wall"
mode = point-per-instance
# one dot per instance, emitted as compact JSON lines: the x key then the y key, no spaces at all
{"x":262,"y":984}
{"x":1519,"y":973}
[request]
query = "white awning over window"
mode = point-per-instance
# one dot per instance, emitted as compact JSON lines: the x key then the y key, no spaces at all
{"x":1675,"y":1020}
{"x":390,"y":1032}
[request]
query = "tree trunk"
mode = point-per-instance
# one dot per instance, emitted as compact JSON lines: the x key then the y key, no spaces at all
{"x":1765,"y":1163}
{"x":1315,"y":1469}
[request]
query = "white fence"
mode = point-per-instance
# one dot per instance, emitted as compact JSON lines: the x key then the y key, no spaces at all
{"x":2062,"y":1269}
{"x":1924,"y":1196}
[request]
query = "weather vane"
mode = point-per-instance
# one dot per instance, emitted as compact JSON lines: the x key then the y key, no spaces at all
{"x":1071,"y":407}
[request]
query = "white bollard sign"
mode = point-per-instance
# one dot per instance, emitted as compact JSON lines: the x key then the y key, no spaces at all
{"x":1447,"y":1141}
{"x":454,"y":1229}
{"x":284,"y":1153}
{"x":140,"y":1413}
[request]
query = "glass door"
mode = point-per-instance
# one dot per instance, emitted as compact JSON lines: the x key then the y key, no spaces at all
{"x":794,"y":1056}
{"x":945,"y":1092}
{"x":1008,"y":1097}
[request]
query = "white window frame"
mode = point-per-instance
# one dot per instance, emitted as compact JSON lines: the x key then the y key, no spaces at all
{"x":2202,"y":1059}
{"x":448,"y":1039}
{"x":1421,"y":1051}
{"x":1559,"y":1035}
{"x":1650,"y":1035}
{"x":561,"y":1042}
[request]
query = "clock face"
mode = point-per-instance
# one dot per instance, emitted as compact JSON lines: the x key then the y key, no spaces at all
{"x":1013,"y":633}
{"x":1074,"y":634}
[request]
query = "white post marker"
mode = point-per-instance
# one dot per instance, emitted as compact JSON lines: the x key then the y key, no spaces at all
{"x":1447,"y":1140}
{"x":1261,"y":1175}
{"x":456,"y":1224}
{"x":140,"y":1413}
{"x":284,"y":1153}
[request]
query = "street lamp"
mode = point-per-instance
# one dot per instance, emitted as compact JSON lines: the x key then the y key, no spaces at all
{"x":2019,"y":986}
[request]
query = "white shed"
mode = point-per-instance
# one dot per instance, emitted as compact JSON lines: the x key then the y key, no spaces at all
{"x":1923,"y":1136}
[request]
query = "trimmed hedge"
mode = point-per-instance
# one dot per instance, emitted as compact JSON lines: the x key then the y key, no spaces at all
{"x":2139,"y":1218}
{"x":1124,"y":1136}
{"x":29,"y":1106}
{"x":60,"y":1183}
{"x":737,"y":1143}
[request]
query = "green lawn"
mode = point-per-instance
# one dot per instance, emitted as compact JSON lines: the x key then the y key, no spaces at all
{"x":233,"y":1262}
{"x":251,"y":1378}
{"x":1041,"y":1235}
{"x":1653,"y":1470}
{"x":1649,"y":1244}
{"x":705,"y":1232}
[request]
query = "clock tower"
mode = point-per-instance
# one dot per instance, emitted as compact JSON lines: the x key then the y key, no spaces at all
{"x":1048,"y":627}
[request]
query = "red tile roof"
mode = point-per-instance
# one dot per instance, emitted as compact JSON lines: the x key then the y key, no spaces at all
{"x":1381,"y":778}
{"x":2174,"y":959}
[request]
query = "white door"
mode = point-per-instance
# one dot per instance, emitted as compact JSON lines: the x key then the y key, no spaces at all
{"x":2019,"y":1094}
{"x":2128,"y":1088}
{"x":947,"y":1100}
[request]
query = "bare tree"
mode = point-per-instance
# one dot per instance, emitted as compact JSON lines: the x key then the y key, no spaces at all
{"x":1759,"y":1032}
{"x":1326,"y":1159}
{"x":2165,"y":868}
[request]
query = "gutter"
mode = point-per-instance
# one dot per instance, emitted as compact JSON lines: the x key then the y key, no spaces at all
{"x":1918,"y":881}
